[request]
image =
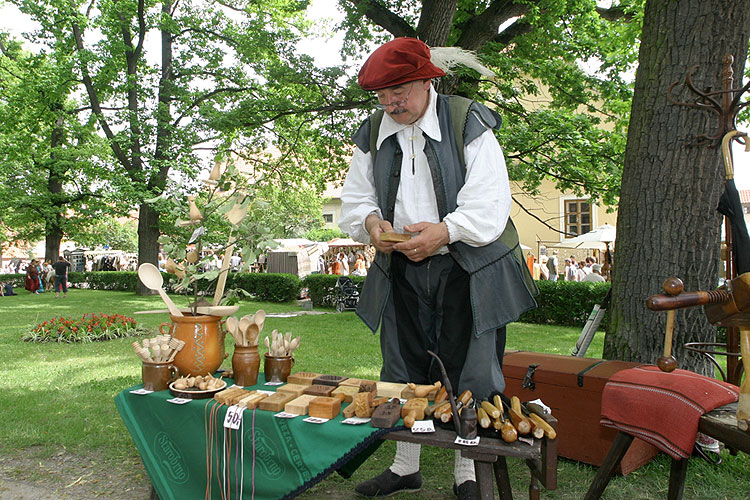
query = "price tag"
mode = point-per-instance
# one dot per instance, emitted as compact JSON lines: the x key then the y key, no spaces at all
{"x":179,"y":401}
{"x":467,"y":442}
{"x":526,"y":440}
{"x":283,"y":414}
{"x":141,"y":391}
{"x":315,"y":420}
{"x":274,"y":383}
{"x":423,"y":427}
{"x":355,"y":421}
{"x":267,"y":393}
{"x":233,"y":418}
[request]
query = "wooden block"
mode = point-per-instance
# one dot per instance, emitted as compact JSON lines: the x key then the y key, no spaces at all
{"x":390,"y":389}
{"x":347,"y":390}
{"x":295,"y":389}
{"x":328,"y":380}
{"x":277,"y":401}
{"x":356,"y":382}
{"x":386,"y":415}
{"x":324,"y":407}
{"x":319,"y":390}
{"x":228,"y":395}
{"x":299,"y":405}
{"x":395,"y":237}
{"x":251,"y":401}
{"x":369,"y":386}
{"x":302,"y":378}
{"x":363,"y":404}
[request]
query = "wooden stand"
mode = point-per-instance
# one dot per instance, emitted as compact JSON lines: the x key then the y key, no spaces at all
{"x":489,"y":459}
{"x":719,"y":423}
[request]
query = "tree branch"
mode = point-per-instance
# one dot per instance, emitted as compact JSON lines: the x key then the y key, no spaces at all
{"x":380,"y":15}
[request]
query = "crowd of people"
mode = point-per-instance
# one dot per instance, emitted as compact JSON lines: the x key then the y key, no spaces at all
{"x":40,"y":276}
{"x":550,"y":268}
{"x":347,"y":263}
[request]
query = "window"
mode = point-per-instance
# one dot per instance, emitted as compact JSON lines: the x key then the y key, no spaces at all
{"x":577,"y":217}
{"x":328,"y":218}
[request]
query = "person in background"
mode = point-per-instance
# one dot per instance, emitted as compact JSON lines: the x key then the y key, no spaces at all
{"x":417,"y":291}
{"x":553,"y":266}
{"x":344,"y":261}
{"x":32,"y":277}
{"x":595,"y":275}
{"x":359,"y":266}
{"x":61,"y":268}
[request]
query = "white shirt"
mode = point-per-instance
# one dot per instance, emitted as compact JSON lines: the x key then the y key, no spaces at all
{"x":483,"y":202}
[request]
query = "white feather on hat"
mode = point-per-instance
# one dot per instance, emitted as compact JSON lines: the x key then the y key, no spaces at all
{"x":447,"y":58}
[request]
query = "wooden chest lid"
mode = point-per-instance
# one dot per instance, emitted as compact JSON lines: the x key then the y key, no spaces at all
{"x":563,"y":371}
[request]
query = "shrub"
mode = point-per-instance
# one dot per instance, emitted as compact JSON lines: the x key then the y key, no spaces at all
{"x":91,"y":327}
{"x":322,"y":288}
{"x":271,"y":287}
{"x":566,"y":303}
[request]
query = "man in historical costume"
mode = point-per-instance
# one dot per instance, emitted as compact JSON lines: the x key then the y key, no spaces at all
{"x":461,"y":278}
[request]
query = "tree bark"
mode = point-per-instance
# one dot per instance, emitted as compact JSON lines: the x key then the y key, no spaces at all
{"x":667,"y":221}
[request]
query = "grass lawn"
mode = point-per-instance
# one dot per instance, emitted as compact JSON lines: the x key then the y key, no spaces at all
{"x":57,"y":397}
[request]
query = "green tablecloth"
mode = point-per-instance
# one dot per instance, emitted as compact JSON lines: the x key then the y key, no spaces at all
{"x":276,"y":458}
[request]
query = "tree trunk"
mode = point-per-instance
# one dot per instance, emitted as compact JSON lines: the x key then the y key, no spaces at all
{"x":148,"y":240}
{"x":667,"y":222}
{"x":53,"y":221}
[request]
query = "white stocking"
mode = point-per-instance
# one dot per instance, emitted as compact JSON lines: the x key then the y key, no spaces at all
{"x":407,"y":459}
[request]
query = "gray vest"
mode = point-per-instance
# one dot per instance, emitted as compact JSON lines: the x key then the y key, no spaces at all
{"x":501,"y":286}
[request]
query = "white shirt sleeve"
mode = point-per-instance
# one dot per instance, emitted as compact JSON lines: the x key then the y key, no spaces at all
{"x":358,"y":198}
{"x":484,"y":200}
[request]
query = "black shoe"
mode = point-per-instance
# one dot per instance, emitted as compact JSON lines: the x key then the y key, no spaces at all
{"x":388,"y":483}
{"x":467,"y":490}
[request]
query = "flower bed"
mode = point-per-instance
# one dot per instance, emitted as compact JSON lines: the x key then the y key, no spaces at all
{"x":91,"y":327}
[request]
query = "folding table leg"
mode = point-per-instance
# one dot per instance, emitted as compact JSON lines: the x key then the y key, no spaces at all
{"x":677,"y":474}
{"x":483,"y":472}
{"x":533,"y":488}
{"x":614,"y":456}
{"x":503,"y":479}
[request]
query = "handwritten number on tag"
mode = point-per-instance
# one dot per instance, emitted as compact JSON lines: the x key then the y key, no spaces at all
{"x":233,"y":418}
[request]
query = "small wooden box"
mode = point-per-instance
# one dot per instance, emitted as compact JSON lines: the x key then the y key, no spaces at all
{"x":572,"y":388}
{"x":347,"y":390}
{"x":299,"y":405}
{"x":390,"y":389}
{"x":277,"y":401}
{"x":324,"y":407}
{"x":319,"y":390}
{"x":328,"y":380}
{"x":302,"y":378}
{"x":295,"y":389}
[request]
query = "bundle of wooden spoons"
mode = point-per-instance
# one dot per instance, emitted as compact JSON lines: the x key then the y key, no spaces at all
{"x":281,"y":345}
{"x":159,"y":349}
{"x":246,"y":330}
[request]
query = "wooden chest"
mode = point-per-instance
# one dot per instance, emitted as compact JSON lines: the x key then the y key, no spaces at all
{"x":572,"y":387}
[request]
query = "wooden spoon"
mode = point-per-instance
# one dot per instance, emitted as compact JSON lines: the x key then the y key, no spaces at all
{"x":153,"y":280}
{"x":231,"y":324}
{"x":252,"y":334}
{"x":244,"y":325}
{"x":259,"y":318}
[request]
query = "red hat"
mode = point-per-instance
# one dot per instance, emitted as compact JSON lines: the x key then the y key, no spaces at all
{"x":399,"y":61}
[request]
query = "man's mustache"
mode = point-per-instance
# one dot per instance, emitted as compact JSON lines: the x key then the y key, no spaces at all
{"x":398,"y":111}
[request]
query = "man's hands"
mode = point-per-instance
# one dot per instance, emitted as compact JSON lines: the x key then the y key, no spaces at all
{"x":430,"y":237}
{"x":376,"y":226}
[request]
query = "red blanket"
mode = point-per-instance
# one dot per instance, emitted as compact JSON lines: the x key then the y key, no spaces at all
{"x":662,"y":408}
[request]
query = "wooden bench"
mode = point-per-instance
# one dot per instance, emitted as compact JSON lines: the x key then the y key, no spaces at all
{"x":489,"y":456}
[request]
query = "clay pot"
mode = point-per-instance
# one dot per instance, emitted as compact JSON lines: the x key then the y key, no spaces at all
{"x":158,"y":376}
{"x":204,"y":343}
{"x":245,"y":364}
{"x":277,"y":368}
